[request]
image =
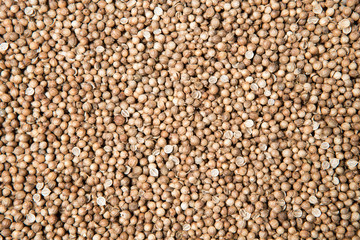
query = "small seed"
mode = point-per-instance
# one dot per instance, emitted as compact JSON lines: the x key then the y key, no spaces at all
{"x":154,"y":172}
{"x":316,"y":212}
{"x":334,"y":162}
{"x":101,"y":201}
{"x":29,"y":91}
{"x":324,"y":145}
{"x":249,"y":54}
{"x":168,"y":149}
{"x":215,"y":172}
{"x":240,"y":161}
{"x":249,"y":123}
{"x":224,"y":78}
{"x":213,"y":80}
{"x":158,"y":11}
{"x":76,"y":151}
{"x":313,"y":200}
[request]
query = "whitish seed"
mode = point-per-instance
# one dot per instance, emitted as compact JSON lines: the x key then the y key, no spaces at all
{"x":271,"y":102}
{"x":263,"y":146}
{"x":174,"y":159}
{"x":313,"y":200}
{"x":198,"y":160}
{"x":215,"y":172}
{"x":151,"y":158}
{"x":30,"y":218}
{"x":154,"y":172}
{"x":29,"y":91}
{"x":45,"y":192}
{"x":249,"y":54}
{"x":2,"y":113}
{"x":101,"y":201}
{"x":267,"y":93}
{"x":147,"y":35}
{"x":324,"y":145}
{"x":108,"y":183}
{"x":158,"y":11}
{"x":261,"y":83}
{"x":317,"y":9}
{"x":237,"y":134}
{"x":249,"y":79}
{"x":29,"y":11}
{"x":316,"y":212}
{"x":249,"y":123}
{"x":157,"y":31}
{"x":127,"y":170}
{"x":125,"y":113}
{"x":345,"y":23}
{"x":298,"y":213}
{"x":168,"y":149}
{"x":36,"y":197}
{"x":212,"y":80}
{"x":352,"y":163}
{"x":186,"y":227}
{"x":325,"y":165}
{"x":334,"y":162}
{"x":347,"y":30}
{"x":336,"y":180}
{"x":224,"y":78}
{"x":124,"y":20}
{"x":254,"y":87}
{"x":240,"y":161}
{"x":228,"y":134}
{"x":4,"y":46}
{"x":313,"y":20}
{"x":100,"y":49}
{"x":315,"y":125}
{"x":76,"y":151}
{"x":40,"y":185}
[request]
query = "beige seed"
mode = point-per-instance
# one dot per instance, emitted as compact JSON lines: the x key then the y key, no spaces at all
{"x":249,"y":123}
{"x":168,"y":149}
{"x":316,"y":212}
{"x":101,"y":201}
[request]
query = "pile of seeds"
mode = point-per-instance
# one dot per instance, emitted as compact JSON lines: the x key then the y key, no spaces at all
{"x":184,"y":119}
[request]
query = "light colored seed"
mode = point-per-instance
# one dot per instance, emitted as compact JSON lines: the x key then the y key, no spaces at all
{"x":108,"y":183}
{"x":352,"y":163}
{"x":215,"y":172}
{"x":249,"y":79}
{"x":100,"y":49}
{"x":263,"y":146}
{"x":198,"y":160}
{"x":76,"y":151}
{"x":36,"y":197}
{"x":345,"y":23}
{"x":215,"y":199}
{"x":151,"y":158}
{"x":313,"y":200}
{"x":254,"y":87}
{"x":45,"y":192}
{"x":334,"y":162}
{"x":131,"y":3}
{"x":224,"y":78}
{"x":127,"y":170}
{"x":4,"y":46}
{"x":124,"y":20}
{"x":228,"y":134}
{"x":158,"y":11}
{"x":101,"y":201}
{"x":298,"y":213}
{"x":267,"y":155}
{"x":324,"y":145}
{"x":267,"y":93}
{"x":157,"y":31}
{"x":186,"y":227}
{"x":29,"y":11}
{"x":147,"y":35}
{"x":29,"y":91}
{"x":125,"y":113}
{"x":271,"y":102}
{"x":156,"y":152}
{"x":40,"y":185}
{"x":168,"y":149}
{"x":317,"y":9}
{"x":154,"y":172}
{"x":249,"y":123}
{"x":316,"y":212}
{"x":213,"y":80}
{"x":184,"y":205}
{"x":315,"y":125}
{"x":347,"y":30}
{"x":196,"y":95}
{"x":249,"y":54}
{"x":261,"y":83}
{"x":336,"y":180}
{"x":237,"y":134}
{"x":2,"y":113}
{"x":108,"y":149}
{"x":325,"y":165}
{"x":133,"y":147}
{"x":246,"y":215}
{"x":313,"y":20}
{"x":240,"y":161}
{"x":174,"y":159}
{"x":30,"y":218}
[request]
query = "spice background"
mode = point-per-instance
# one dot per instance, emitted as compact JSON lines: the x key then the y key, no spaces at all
{"x":181,"y":119}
